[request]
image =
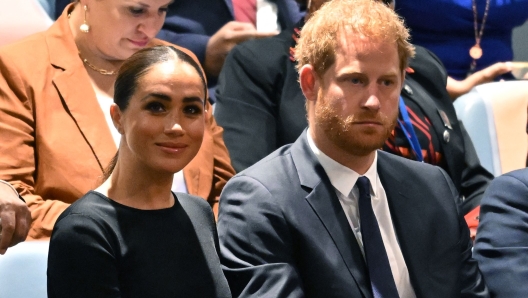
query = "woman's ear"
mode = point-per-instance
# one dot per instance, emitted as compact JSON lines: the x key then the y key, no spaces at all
{"x":117,"y":117}
{"x":309,"y":82}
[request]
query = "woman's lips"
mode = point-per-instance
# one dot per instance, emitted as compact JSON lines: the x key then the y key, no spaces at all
{"x":172,"y":148}
{"x":139,"y":43}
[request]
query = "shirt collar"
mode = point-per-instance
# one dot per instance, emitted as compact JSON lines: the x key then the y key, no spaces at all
{"x":343,"y":178}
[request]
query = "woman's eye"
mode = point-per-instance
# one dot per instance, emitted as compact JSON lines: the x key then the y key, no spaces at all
{"x":136,"y":10}
{"x":163,"y":10}
{"x":192,"y":110}
{"x":155,"y":107}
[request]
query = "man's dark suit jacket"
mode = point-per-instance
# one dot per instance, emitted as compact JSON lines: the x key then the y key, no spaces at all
{"x":283,"y":232}
{"x":258,"y":87}
{"x":501,"y":247}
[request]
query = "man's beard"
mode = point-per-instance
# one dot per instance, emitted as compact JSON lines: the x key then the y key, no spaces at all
{"x":344,"y":134}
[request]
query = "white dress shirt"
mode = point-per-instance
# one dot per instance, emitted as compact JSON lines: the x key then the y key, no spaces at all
{"x":178,"y":184}
{"x":343,"y":180}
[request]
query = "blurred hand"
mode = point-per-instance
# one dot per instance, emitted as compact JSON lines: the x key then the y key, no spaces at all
{"x":456,"y":88}
{"x":224,"y":40}
{"x":15,"y":218}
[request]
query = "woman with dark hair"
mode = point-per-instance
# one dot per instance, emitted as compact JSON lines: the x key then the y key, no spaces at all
{"x":132,"y":236}
{"x":55,"y":91}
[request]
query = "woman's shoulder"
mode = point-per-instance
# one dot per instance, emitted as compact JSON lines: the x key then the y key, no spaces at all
{"x":92,"y":205}
{"x":197,"y":208}
{"x":44,"y":50}
{"x":192,"y":201}
{"x":26,"y":49}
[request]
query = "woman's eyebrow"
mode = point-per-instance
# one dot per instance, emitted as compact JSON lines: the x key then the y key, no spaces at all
{"x":193,"y":99}
{"x":157,"y":95}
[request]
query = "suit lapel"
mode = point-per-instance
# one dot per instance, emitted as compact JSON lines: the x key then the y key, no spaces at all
{"x":403,"y":197}
{"x":76,"y":92}
{"x":323,"y":200}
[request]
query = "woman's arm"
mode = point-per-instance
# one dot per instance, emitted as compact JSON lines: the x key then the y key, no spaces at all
{"x":17,"y":147}
{"x":457,"y":88}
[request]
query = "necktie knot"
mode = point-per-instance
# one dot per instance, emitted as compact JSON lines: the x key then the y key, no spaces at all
{"x":363,"y":184}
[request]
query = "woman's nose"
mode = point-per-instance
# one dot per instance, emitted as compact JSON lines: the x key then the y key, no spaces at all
{"x":151,"y":25}
{"x":173,"y":127}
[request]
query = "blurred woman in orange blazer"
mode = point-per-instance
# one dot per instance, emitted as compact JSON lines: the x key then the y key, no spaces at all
{"x":56,"y":87}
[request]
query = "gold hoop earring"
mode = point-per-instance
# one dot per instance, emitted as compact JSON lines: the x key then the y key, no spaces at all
{"x":84,"y":26}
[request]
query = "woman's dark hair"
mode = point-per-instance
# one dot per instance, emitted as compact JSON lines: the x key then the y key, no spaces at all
{"x":139,"y":63}
{"x":136,"y":67}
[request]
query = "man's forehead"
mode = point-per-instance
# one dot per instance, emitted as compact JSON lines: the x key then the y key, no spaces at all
{"x":349,"y":40}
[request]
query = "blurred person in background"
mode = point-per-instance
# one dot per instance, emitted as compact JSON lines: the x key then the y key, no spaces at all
{"x":501,"y":246}
{"x":472,"y":38}
{"x":211,"y":28}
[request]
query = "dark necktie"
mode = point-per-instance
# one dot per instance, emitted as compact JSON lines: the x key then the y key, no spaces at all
{"x":380,"y":273}
{"x":245,"y":11}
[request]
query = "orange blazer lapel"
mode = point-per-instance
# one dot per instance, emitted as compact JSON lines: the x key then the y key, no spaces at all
{"x":77,"y":94}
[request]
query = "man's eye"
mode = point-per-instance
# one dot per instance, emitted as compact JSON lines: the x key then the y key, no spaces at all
{"x":387,"y":82}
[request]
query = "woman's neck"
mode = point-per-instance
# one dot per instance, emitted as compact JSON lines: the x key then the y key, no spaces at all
{"x":95,"y":62}
{"x":138,"y":187}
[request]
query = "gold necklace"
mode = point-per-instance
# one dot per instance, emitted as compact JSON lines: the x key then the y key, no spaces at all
{"x":476,"y":51}
{"x":104,"y":72}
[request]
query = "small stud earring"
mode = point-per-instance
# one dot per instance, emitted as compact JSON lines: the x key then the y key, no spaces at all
{"x":84,"y":26}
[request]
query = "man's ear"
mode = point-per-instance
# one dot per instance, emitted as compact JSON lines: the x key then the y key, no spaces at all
{"x":309,"y":82}
{"x":116,"y":115}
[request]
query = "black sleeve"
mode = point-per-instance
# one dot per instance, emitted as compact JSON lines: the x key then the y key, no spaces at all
{"x":246,"y":104}
{"x":81,"y":260}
